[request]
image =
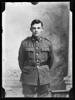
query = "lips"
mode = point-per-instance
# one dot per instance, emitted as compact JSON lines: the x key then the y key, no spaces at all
{"x":36,"y":32}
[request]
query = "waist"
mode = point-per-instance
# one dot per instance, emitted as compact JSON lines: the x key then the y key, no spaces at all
{"x":37,"y":63}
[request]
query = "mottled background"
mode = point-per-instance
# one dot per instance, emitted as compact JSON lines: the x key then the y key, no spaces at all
{"x":16,"y":22}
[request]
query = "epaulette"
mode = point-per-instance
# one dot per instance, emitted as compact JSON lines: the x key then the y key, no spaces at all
{"x":47,"y":39}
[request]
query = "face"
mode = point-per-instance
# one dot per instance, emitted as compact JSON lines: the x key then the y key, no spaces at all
{"x":36,"y":29}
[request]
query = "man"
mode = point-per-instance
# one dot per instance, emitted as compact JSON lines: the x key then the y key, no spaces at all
{"x":35,"y":60}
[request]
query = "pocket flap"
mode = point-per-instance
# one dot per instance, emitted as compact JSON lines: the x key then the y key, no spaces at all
{"x":29,"y":49}
{"x":45,"y":49}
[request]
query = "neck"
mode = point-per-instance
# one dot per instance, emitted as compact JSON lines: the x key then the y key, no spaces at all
{"x":36,"y":37}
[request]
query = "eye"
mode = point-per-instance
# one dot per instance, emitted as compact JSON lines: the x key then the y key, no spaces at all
{"x":38,"y":27}
{"x":33,"y":28}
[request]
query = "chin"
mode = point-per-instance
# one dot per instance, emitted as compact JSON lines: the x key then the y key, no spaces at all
{"x":37,"y":34}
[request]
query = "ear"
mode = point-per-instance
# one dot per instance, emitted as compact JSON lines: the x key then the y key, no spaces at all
{"x":30,"y":29}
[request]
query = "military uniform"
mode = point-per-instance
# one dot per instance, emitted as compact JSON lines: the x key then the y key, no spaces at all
{"x":35,"y":52}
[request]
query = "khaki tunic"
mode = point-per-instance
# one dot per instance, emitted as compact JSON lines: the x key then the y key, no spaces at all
{"x":35,"y":52}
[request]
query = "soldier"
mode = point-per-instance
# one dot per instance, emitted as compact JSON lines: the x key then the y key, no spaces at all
{"x":35,"y":60}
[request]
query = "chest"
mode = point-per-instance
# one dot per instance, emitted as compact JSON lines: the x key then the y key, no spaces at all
{"x":36,"y":46}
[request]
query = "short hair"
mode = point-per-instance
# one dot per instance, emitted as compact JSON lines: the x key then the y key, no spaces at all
{"x":36,"y":21}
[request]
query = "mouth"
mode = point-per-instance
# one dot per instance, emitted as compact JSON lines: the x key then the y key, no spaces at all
{"x":36,"y":32}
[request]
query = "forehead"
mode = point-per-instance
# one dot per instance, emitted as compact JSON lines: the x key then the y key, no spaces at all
{"x":37,"y":25}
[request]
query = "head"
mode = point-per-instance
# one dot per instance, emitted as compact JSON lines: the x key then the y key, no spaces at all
{"x":36,"y":27}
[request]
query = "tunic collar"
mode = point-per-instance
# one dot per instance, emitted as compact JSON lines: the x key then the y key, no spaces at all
{"x":36,"y":38}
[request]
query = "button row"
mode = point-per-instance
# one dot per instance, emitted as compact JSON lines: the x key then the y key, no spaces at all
{"x":37,"y":53}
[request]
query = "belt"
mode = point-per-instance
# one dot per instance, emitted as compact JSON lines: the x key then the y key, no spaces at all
{"x":38,"y":64}
{"x":34,"y":65}
{"x":41,"y":64}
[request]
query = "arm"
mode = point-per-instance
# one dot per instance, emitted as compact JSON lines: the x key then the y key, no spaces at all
{"x":21,"y":57}
{"x":51,"y":56}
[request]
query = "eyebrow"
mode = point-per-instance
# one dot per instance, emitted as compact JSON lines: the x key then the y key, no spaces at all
{"x":36,"y":27}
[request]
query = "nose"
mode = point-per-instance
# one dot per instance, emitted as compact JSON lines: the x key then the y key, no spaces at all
{"x":36,"y":30}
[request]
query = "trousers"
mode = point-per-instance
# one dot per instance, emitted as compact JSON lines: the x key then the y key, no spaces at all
{"x":36,"y":91}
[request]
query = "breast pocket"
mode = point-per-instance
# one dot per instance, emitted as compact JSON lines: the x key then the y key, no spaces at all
{"x":45,"y":49}
{"x":44,"y":53}
{"x":29,"y":52}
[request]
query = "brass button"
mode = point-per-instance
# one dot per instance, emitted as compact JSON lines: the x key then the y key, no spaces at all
{"x":40,"y":38}
{"x":38,"y":66}
{"x":36,"y":41}
{"x":37,"y":54}
{"x":37,"y":47}
{"x":38,"y":61}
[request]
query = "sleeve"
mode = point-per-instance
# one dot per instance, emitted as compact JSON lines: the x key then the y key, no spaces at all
{"x":21,"y":56}
{"x":51,"y":56}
